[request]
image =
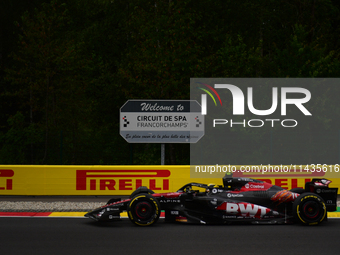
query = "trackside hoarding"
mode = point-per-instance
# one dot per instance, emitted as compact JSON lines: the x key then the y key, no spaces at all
{"x":112,"y":180}
{"x":92,"y":180}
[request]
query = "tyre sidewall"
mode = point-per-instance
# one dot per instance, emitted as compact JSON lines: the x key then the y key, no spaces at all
{"x":301,"y":204}
{"x":150,"y":202}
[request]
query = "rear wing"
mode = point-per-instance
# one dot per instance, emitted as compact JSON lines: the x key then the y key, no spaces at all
{"x":329,"y":195}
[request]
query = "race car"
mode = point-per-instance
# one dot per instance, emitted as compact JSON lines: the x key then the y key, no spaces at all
{"x":237,"y":200}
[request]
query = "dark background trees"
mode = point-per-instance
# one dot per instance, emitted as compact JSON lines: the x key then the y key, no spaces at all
{"x":66,"y":68}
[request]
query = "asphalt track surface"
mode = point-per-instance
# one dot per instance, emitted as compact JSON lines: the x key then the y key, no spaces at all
{"x":84,"y":236}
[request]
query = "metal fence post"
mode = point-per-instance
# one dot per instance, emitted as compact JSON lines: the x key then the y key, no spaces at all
{"x":162,"y":154}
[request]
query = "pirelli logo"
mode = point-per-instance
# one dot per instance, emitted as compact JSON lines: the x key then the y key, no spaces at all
{"x":6,"y":183}
{"x":122,"y":179}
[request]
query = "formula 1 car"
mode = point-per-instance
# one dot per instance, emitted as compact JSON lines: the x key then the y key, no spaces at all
{"x":237,"y":200}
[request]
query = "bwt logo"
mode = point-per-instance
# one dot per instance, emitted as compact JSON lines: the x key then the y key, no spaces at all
{"x":6,"y":173}
{"x":122,"y":179}
{"x":239,"y":105}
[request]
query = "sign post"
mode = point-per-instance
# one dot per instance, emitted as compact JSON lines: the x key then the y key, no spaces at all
{"x":163,"y":154}
{"x":161,"y":121}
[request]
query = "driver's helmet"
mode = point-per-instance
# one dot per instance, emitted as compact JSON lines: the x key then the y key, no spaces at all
{"x":228,"y":180}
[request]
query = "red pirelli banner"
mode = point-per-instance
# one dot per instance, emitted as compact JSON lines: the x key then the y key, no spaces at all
{"x":112,"y":180}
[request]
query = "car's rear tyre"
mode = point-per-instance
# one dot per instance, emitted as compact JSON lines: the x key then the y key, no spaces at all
{"x":144,"y":210}
{"x":298,"y":190}
{"x":309,"y":209}
{"x":141,"y":189}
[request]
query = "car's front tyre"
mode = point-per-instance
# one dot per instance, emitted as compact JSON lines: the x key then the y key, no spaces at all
{"x":144,"y":210}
